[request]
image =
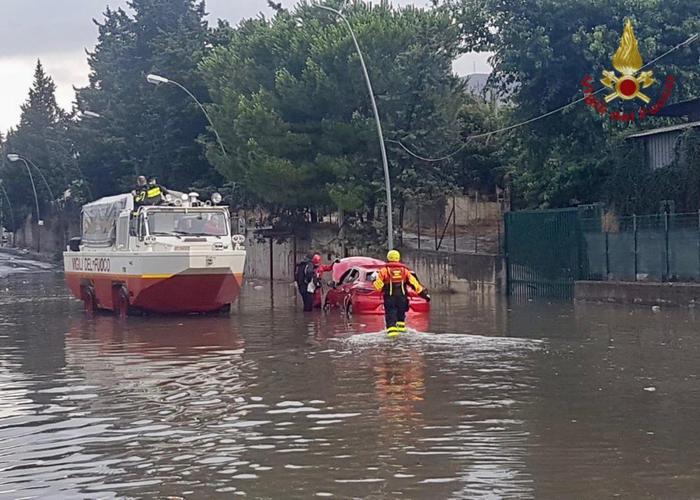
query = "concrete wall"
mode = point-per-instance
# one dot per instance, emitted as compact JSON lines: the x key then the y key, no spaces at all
{"x":439,"y":271}
{"x":468,"y":210}
{"x":457,"y":272}
{"x":52,"y":237}
{"x":619,"y":292}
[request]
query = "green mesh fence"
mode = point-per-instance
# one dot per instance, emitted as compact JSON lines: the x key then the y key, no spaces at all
{"x":543,"y":251}
{"x":662,"y":247}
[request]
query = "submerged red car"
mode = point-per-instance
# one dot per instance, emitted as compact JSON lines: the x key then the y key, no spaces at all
{"x":351,"y":288}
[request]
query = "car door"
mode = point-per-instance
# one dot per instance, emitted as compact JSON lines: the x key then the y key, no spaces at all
{"x":347,"y":284}
{"x":336,"y":294}
{"x":333,"y":295}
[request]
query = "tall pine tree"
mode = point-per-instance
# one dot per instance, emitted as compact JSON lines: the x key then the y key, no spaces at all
{"x":41,"y":137}
{"x":145,"y":129}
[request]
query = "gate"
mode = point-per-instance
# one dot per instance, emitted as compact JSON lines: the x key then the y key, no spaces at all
{"x":543,"y":253}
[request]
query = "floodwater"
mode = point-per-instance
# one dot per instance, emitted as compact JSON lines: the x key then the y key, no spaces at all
{"x":530,"y":400}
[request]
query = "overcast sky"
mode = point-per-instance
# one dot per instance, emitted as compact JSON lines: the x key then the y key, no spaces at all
{"x":59,"y":31}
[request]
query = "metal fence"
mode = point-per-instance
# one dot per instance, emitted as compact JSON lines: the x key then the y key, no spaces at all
{"x":445,"y":226}
{"x":543,"y":252}
{"x":663,"y":247}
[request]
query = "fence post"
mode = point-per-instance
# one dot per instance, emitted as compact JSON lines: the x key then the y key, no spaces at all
{"x":505,"y":259}
{"x":607,"y":257}
{"x":294,"y":251}
{"x":668,"y":257}
{"x":436,"y":229}
{"x":634,"y":229}
{"x":272,"y":272}
{"x":500,"y":246}
{"x":418,"y":225}
{"x":699,"y":242}
{"x":454,"y":222}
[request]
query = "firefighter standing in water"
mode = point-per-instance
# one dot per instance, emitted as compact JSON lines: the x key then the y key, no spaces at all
{"x":392,"y":280}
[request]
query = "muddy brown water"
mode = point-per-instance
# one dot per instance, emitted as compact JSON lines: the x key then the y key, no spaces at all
{"x":529,"y":400}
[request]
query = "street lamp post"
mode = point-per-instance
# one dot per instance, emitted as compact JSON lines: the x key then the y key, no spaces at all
{"x":14,"y":158}
{"x":43,"y":178}
{"x":157,"y":80}
{"x":387,"y":180}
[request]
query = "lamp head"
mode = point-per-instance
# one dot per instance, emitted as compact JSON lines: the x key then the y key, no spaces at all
{"x":156,"y":79}
{"x":13,"y":157}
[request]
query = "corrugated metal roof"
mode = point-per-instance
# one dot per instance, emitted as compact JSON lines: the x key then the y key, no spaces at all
{"x":664,"y":130}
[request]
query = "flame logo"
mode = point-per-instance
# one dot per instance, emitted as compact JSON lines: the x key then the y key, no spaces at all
{"x":627,"y":61}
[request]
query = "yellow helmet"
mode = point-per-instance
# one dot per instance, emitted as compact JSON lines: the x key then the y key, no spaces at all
{"x":393,"y":256}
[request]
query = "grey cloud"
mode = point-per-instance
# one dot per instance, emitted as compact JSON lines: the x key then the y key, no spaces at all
{"x":32,"y":27}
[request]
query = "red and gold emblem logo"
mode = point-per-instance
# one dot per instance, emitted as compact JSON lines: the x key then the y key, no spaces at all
{"x":628,"y":62}
{"x":627,"y":83}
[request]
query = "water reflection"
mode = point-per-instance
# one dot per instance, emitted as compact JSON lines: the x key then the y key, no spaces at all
{"x":485,"y":400}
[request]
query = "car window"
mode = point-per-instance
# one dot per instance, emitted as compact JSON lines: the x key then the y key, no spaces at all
{"x":344,"y":276}
{"x":371,"y":276}
{"x":351,"y":276}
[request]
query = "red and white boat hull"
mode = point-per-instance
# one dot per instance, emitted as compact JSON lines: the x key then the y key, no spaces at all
{"x":161,"y":282}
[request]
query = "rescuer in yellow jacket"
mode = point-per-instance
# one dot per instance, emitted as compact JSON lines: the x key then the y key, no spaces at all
{"x":148,"y":193}
{"x":392,"y":280}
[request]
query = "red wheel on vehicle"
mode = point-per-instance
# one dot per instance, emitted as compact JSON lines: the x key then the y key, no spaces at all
{"x":89,"y":300}
{"x":121,"y":302}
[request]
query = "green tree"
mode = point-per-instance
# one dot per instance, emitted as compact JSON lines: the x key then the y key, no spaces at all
{"x":41,"y":137}
{"x":542,"y":50}
{"x":143,"y":129}
{"x":290,"y":97}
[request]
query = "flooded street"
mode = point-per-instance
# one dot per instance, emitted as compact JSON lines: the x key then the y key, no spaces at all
{"x":499,"y":401}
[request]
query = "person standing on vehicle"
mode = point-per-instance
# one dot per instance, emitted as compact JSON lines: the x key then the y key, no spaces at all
{"x":392,"y":281}
{"x":139,"y":193}
{"x":147,"y":192}
{"x":155,"y":193}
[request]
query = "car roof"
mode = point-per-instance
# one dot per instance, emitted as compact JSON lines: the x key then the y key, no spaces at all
{"x":350,"y":262}
{"x":364,"y":264}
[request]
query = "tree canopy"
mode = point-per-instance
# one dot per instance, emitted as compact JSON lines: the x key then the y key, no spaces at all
{"x":542,"y":50}
{"x":290,"y":95}
{"x":145,"y":129}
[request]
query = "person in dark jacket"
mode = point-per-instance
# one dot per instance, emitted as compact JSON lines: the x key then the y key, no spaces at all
{"x":304,"y":276}
{"x":308,"y":279}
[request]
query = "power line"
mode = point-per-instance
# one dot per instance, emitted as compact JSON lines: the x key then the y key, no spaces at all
{"x":531,"y":120}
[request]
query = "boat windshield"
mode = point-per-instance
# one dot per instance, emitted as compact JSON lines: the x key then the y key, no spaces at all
{"x":177,"y":223}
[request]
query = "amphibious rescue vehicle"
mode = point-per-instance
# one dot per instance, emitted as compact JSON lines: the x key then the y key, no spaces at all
{"x":177,"y":257}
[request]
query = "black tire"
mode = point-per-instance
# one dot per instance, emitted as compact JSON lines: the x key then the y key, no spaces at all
{"x":225,"y":310}
{"x":121,"y":302}
{"x":89,"y":300}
